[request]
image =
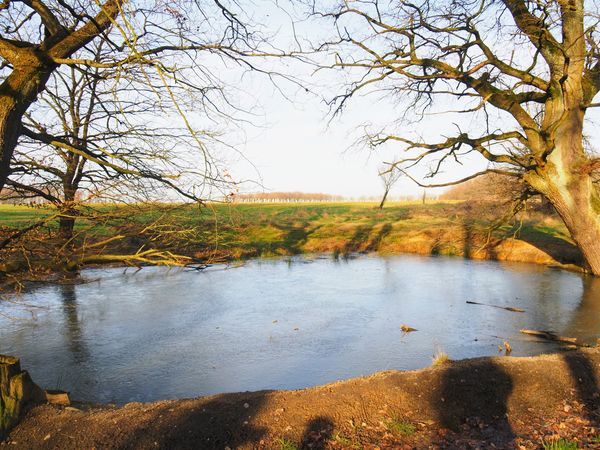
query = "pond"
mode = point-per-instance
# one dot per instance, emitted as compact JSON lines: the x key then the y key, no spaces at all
{"x":286,"y":323}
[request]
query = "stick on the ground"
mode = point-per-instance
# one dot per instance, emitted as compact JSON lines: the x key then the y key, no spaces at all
{"x":508,"y":308}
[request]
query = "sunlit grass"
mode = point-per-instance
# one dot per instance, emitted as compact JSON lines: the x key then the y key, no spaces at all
{"x":400,"y":427}
{"x":269,"y":229}
{"x":285,"y":444}
{"x":559,"y":444}
{"x":439,"y":359}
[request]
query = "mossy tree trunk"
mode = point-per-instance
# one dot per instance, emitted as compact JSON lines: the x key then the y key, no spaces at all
{"x":17,"y":393}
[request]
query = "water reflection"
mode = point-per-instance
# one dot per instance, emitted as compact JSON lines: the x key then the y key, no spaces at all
{"x":73,"y":327}
{"x":584,"y":323}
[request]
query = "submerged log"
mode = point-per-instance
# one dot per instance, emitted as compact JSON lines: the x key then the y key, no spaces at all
{"x":17,"y":393}
{"x":550,"y":336}
{"x":508,"y":308}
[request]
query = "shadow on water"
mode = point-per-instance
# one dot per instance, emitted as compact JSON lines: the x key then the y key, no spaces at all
{"x":585,"y":321}
{"x":476,"y":392}
{"x":73,"y":332}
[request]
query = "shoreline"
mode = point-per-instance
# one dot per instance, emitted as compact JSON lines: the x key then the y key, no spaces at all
{"x":513,"y":251}
{"x":512,"y":402}
{"x":265,"y":230}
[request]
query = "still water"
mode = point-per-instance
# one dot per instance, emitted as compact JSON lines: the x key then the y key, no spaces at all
{"x":285,"y":323}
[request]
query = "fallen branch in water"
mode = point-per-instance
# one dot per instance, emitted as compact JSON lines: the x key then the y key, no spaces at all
{"x":508,"y":308}
{"x":548,"y":335}
{"x":406,"y":329}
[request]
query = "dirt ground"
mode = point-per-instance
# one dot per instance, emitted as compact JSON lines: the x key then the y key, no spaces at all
{"x":501,"y":402}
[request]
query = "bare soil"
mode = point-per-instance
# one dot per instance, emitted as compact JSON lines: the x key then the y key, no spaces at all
{"x":500,"y":402}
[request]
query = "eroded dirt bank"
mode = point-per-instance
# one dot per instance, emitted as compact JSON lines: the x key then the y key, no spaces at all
{"x":500,"y":402}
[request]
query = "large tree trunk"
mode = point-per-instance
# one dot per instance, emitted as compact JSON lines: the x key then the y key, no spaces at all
{"x":566,"y":182}
{"x":66,"y":224}
{"x":67,"y":221}
{"x":578,"y":208}
{"x":17,"y":93}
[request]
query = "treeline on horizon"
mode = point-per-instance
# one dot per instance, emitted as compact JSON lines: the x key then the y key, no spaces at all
{"x":300,"y":197}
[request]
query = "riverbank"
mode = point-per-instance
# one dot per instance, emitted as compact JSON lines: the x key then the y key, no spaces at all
{"x":499,"y":402}
{"x":221,"y":233}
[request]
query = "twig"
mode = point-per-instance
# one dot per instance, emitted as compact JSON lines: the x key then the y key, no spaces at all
{"x":508,"y":308}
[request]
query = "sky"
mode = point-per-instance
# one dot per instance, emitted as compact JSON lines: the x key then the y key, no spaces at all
{"x":296,"y":144}
{"x":301,"y":148}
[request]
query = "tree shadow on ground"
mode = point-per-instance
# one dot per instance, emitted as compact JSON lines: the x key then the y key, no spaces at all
{"x":467,"y":237}
{"x":222,"y":421}
{"x":559,"y":249}
{"x":586,"y":383}
{"x":317,"y":433}
{"x":376,"y":240}
{"x":296,"y":236}
{"x":362,"y":241}
{"x":437,"y":246}
{"x":475,"y":395}
{"x":358,"y":239}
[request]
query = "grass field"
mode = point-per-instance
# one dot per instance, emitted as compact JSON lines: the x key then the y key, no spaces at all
{"x":233,"y":231}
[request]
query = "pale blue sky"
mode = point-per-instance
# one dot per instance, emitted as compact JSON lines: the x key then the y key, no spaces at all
{"x":297,"y":146}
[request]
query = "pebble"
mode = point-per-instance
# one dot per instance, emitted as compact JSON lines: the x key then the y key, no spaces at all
{"x":246,"y":405}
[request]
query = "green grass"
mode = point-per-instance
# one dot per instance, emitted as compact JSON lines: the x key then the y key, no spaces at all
{"x":560,"y":444}
{"x":285,"y":444}
{"x":16,"y":216}
{"x":401,"y":427}
{"x":237,"y":231}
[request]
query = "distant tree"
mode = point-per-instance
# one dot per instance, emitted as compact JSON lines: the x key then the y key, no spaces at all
{"x":389,"y":176}
{"x":286,"y":197}
{"x":535,"y":64}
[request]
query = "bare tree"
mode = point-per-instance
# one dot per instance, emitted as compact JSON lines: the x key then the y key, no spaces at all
{"x":528,"y":71}
{"x":81,"y":141}
{"x":389,"y":176}
{"x":165,"y":38}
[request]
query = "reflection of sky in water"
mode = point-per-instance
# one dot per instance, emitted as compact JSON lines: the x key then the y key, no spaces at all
{"x":161,"y":333}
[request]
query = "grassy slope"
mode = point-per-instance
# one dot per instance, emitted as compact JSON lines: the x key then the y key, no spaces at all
{"x":245,"y":230}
